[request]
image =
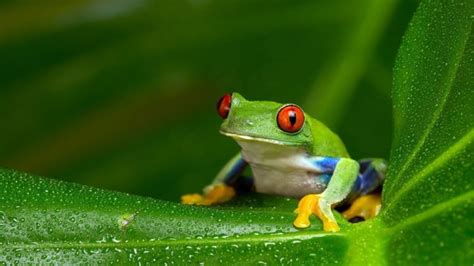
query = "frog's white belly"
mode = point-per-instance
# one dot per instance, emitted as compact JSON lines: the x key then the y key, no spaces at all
{"x":281,"y":170}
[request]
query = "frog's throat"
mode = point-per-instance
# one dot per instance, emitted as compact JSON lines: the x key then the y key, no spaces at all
{"x":257,"y":139}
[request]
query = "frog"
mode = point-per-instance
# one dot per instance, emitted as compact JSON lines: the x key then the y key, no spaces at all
{"x":294,"y":155}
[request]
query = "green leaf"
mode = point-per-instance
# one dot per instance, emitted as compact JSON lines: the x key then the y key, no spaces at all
{"x":428,"y":196}
{"x":433,"y":107}
{"x":429,"y":193}
{"x":43,"y":220}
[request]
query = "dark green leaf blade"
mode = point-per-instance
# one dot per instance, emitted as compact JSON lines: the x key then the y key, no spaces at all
{"x":432,"y":152}
{"x":440,"y":236}
{"x":428,"y":196}
{"x":43,"y":220}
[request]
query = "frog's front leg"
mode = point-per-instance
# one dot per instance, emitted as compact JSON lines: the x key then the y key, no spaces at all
{"x":219,"y":191}
{"x":344,"y":176}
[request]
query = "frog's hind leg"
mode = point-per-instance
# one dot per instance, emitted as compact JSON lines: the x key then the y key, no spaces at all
{"x":366,"y":206}
{"x":371,"y":176}
{"x":367,"y":203}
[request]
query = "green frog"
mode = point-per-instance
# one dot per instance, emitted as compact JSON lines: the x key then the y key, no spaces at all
{"x":292,"y":154}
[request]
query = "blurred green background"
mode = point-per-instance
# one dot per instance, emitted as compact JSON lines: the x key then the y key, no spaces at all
{"x":121,"y":94}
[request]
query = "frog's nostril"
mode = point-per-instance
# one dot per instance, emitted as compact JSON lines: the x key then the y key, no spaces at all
{"x":249,"y":122}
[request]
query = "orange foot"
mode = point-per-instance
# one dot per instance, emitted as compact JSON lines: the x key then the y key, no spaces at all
{"x":311,"y":204}
{"x":367,"y":206}
{"x":217,"y":194}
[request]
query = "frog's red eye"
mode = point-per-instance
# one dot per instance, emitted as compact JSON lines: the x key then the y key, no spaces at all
{"x":223,"y":105}
{"x":290,"y":118}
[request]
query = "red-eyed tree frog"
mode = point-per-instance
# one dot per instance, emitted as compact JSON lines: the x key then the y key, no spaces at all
{"x":292,"y":154}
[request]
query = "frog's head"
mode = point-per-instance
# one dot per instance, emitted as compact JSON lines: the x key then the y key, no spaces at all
{"x":262,"y":121}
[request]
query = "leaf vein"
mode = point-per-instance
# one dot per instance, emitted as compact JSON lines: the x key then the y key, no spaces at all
{"x":453,"y":71}
{"x":433,"y":211}
{"x":443,"y":158}
{"x":169,"y":242}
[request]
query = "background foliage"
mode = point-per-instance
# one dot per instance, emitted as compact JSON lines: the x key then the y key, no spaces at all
{"x":121,"y":94}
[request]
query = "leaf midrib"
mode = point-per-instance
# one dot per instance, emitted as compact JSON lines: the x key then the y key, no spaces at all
{"x":439,"y":161}
{"x":262,"y":238}
{"x":433,"y":211}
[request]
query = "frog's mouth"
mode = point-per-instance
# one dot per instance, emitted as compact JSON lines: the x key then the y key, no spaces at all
{"x":258,"y":139}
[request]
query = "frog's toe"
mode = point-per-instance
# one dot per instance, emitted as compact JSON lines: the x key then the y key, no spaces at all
{"x":367,"y":206}
{"x":301,"y":222}
{"x":218,"y":194}
{"x":330,"y":226}
{"x":304,"y":210}
{"x":191,"y":199}
{"x":311,"y":204}
{"x":215,"y":195}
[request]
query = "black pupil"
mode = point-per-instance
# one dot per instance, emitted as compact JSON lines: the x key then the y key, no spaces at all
{"x":292,"y":117}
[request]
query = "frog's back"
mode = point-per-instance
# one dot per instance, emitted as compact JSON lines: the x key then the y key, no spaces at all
{"x":325,"y":142}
